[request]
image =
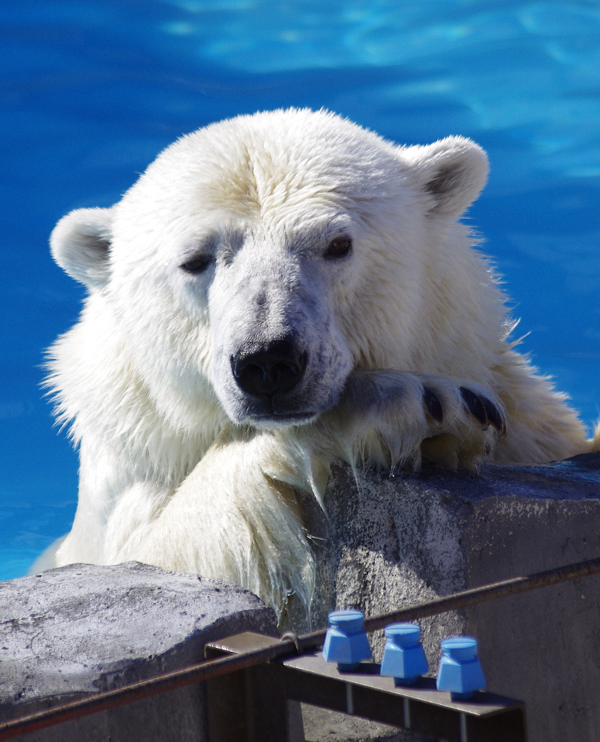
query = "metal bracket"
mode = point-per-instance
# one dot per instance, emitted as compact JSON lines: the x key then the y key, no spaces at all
{"x":252,"y":705}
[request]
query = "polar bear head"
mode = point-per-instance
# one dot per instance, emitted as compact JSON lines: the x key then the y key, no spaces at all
{"x":259,"y":260}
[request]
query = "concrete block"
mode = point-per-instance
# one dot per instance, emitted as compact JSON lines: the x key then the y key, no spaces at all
{"x":393,"y":541}
{"x":387,"y":542}
{"x":81,"y":629}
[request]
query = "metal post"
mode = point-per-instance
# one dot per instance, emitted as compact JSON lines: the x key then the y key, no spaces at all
{"x":248,"y":705}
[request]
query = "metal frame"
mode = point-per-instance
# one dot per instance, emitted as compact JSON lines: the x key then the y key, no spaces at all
{"x":234,"y":662}
{"x":252,"y":705}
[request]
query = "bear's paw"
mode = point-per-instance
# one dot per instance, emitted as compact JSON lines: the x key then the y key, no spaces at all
{"x":392,"y":418}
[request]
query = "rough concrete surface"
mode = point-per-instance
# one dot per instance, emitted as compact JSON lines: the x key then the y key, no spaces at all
{"x":388,"y":542}
{"x":321,"y":725}
{"x":82,"y":629}
{"x":396,"y":541}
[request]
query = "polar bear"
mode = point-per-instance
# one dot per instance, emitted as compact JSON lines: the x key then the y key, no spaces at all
{"x":277,"y":291}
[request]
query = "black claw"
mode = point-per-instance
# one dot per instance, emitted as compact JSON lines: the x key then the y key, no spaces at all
{"x":475,"y":406}
{"x":433,"y":405}
{"x":494,"y":415}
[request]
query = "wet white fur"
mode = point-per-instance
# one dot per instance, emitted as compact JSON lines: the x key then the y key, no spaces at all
{"x":175,"y":469}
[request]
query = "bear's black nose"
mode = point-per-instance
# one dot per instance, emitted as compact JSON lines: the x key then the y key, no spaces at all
{"x":273,"y":369}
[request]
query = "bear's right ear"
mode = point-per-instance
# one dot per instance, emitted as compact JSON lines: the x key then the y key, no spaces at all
{"x":80,"y":244}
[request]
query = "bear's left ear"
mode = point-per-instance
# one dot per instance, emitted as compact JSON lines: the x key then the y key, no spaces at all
{"x":80,"y":244}
{"x":450,"y":172}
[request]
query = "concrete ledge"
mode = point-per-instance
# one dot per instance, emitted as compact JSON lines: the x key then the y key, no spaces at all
{"x":394,"y":541}
{"x":82,"y":629}
{"x":388,"y":542}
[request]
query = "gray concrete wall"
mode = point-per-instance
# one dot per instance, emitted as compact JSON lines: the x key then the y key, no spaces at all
{"x":81,"y":629}
{"x":388,"y":542}
{"x":396,"y":541}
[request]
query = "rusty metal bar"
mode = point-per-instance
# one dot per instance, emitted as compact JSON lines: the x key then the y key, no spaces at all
{"x":466,"y":598}
{"x":143,"y":689}
{"x":286,"y":647}
{"x":476,"y":595}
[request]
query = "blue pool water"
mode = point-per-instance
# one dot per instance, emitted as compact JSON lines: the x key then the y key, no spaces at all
{"x":92,"y":91}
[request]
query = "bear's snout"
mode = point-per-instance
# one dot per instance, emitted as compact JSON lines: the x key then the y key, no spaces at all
{"x":276,"y":368}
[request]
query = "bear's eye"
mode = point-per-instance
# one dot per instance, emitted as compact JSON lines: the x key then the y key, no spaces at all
{"x":338,"y":248}
{"x":197,"y":265}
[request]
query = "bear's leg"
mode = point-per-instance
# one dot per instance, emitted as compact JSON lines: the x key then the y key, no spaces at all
{"x":235,"y":517}
{"x":47,"y":559}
